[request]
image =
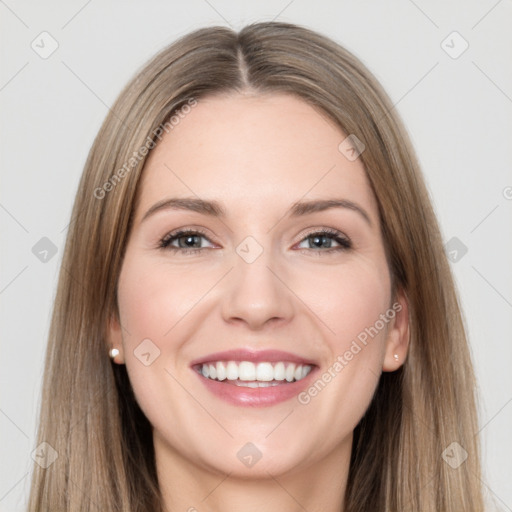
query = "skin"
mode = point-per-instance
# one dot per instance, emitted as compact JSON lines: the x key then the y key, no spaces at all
{"x":256,"y":155}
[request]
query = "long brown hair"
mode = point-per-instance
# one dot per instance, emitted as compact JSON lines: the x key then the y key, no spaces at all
{"x":89,"y":415}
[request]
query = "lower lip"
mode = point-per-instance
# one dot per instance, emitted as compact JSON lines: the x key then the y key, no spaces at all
{"x":255,"y":397}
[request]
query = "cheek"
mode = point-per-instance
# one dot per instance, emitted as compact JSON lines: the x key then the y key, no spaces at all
{"x":348,"y":301}
{"x":153,"y":298}
{"x":352,"y":305}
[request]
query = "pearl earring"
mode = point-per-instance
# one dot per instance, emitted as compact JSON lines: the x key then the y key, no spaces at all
{"x":396,"y":357}
{"x":113,"y":353}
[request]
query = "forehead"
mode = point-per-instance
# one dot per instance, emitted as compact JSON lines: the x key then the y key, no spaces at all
{"x":251,"y":151}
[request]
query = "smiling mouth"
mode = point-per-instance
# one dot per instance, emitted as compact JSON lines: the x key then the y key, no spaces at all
{"x":254,"y":375}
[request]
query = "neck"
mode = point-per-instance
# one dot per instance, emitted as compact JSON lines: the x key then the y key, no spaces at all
{"x":319,"y":486}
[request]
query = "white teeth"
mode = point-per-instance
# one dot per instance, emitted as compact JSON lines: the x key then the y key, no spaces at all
{"x":279,"y":371}
{"x":264,"y":372}
{"x":221,"y":371}
{"x":248,"y":374}
{"x":231,"y":370}
{"x":246,"y":371}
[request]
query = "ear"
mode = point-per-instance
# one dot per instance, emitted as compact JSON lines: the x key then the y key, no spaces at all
{"x":397,"y":340}
{"x":115,"y":338}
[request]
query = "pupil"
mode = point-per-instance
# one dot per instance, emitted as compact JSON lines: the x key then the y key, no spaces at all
{"x":318,"y":241}
{"x":190,"y":241}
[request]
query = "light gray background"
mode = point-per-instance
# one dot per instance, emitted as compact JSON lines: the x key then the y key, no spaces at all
{"x":458,"y":112}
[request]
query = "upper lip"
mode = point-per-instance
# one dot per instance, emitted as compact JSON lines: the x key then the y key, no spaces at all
{"x":255,"y":356}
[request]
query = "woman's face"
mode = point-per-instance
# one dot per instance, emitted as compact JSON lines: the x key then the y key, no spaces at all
{"x":281,"y":275}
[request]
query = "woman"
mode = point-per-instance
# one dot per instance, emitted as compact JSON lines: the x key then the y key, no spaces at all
{"x":253,"y":245}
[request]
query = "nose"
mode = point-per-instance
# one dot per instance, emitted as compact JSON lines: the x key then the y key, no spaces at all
{"x":256,"y":294}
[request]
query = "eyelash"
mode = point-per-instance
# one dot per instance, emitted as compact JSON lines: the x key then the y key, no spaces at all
{"x":343,"y":241}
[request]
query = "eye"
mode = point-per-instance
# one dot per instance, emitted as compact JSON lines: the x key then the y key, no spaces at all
{"x":324,"y":239}
{"x":186,"y":241}
{"x":191,"y":241}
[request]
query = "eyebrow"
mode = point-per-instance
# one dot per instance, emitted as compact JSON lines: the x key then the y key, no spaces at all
{"x":214,"y":209}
